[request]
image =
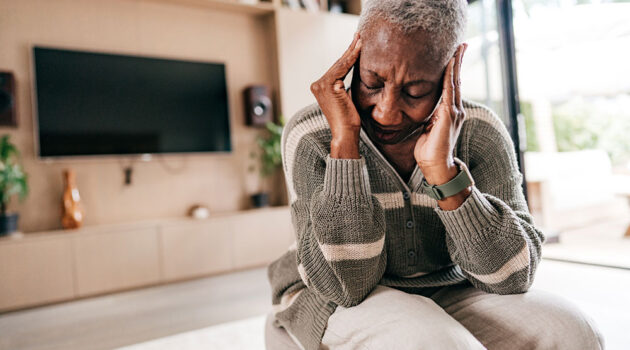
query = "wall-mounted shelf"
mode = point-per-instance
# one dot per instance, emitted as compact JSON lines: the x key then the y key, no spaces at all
{"x":260,"y":8}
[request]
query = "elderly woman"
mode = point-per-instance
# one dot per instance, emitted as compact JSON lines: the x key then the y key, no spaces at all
{"x":412,"y":231}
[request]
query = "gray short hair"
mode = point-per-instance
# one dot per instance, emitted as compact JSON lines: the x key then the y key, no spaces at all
{"x":444,"y":20}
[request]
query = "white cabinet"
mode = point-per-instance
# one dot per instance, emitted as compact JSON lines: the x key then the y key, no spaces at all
{"x":197,"y":249}
{"x":261,"y":237}
{"x":115,"y":260}
{"x":35,"y":271}
{"x":45,"y":267}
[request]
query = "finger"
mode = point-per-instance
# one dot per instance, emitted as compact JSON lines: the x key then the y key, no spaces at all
{"x":346,"y":53}
{"x":431,"y":125}
{"x":457,"y":75}
{"x":447,"y":87}
{"x":342,"y":66}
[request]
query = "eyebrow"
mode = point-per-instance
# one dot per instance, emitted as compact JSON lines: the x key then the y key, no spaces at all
{"x":417,"y":81}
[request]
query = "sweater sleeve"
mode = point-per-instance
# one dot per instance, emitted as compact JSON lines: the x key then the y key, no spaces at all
{"x":339,"y":225}
{"x":492,"y":236}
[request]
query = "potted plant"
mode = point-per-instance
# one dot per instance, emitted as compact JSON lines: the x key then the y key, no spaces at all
{"x":13,"y":181}
{"x":270,"y":159}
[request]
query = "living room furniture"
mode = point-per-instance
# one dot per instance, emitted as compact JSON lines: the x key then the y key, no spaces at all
{"x":46,"y":267}
{"x":572,"y":189}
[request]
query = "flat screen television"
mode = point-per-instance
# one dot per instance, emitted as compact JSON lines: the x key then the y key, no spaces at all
{"x":91,"y":103}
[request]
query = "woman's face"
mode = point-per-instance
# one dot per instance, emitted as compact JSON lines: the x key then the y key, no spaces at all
{"x":395,"y":86}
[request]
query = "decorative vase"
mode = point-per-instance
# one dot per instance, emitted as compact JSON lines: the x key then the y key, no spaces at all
{"x":8,"y":224}
{"x":260,"y":200}
{"x":72,"y":214}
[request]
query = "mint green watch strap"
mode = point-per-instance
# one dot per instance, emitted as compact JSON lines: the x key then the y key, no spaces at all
{"x":462,"y":180}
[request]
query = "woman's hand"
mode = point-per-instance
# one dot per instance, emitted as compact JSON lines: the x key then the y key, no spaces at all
{"x":434,"y":149}
{"x":337,"y":106}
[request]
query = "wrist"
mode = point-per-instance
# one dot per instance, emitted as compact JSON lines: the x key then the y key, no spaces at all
{"x":345,"y":146}
{"x":440,"y":174}
{"x":450,"y":187}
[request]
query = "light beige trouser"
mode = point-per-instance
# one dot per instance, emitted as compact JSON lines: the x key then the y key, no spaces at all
{"x":461,"y":317}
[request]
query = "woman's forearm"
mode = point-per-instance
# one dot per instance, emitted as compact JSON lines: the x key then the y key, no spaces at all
{"x":345,"y":146}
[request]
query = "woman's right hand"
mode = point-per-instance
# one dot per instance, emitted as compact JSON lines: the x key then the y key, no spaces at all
{"x":337,"y":105}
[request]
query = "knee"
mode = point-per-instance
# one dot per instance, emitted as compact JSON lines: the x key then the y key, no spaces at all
{"x":392,"y":319}
{"x":561,"y":324}
{"x":405,"y":334}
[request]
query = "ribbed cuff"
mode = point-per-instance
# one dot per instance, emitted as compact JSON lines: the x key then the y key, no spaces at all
{"x":346,"y":178}
{"x":475,"y":215}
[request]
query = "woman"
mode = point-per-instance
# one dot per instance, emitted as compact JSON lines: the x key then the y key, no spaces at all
{"x":412,"y":230}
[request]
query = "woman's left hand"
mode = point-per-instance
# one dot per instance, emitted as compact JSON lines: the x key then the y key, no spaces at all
{"x":434,"y":149}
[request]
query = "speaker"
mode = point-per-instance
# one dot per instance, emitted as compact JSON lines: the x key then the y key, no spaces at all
{"x":258,"y":106}
{"x":7,"y":99}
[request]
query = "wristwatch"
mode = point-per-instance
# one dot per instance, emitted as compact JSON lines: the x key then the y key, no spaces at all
{"x":462,"y":180}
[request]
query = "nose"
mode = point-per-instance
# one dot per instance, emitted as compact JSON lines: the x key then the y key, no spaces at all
{"x":386,"y":112}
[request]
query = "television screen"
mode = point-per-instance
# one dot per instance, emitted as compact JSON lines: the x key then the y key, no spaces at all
{"x":97,"y":104}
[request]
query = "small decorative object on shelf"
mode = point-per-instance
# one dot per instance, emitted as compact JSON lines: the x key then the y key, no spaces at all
{"x":72,"y":213}
{"x":13,"y":180}
{"x":258,"y":105}
{"x":270,"y":159}
{"x":337,"y":7}
{"x":199,"y":211}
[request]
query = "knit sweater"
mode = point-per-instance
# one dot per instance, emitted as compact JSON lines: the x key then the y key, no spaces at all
{"x":357,"y":224}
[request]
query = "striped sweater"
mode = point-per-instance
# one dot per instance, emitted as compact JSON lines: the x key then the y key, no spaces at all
{"x":358,"y":224}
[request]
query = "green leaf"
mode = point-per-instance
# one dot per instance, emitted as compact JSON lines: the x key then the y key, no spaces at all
{"x":13,"y":179}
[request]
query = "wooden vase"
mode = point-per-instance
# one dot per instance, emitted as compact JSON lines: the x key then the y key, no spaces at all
{"x":72,"y":214}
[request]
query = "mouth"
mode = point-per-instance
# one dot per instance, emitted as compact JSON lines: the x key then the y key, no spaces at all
{"x":386,"y":135}
{"x":380,"y":135}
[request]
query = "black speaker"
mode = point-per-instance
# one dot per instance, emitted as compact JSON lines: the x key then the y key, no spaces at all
{"x":7,"y":99}
{"x":258,"y":106}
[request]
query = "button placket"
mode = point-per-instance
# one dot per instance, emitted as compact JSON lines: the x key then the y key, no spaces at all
{"x":409,"y":224}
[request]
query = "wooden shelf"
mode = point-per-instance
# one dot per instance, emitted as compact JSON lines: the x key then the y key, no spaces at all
{"x":261,"y":8}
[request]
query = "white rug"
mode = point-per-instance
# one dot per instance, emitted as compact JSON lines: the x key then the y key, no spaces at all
{"x":247,"y":334}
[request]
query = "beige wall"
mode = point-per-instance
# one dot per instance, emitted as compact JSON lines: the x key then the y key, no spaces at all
{"x":165,"y":186}
{"x":301,"y":62}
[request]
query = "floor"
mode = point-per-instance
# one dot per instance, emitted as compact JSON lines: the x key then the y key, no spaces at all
{"x":132,"y":317}
{"x":114,"y":320}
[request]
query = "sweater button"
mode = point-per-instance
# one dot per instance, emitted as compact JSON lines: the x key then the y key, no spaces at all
{"x":406,"y":195}
{"x":411,"y":253}
{"x":409,"y":224}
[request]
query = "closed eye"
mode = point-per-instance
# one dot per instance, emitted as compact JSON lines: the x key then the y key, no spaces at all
{"x":368,"y":86}
{"x":416,"y":97}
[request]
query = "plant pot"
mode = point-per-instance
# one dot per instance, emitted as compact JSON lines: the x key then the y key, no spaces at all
{"x":8,"y":224}
{"x":260,"y":200}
